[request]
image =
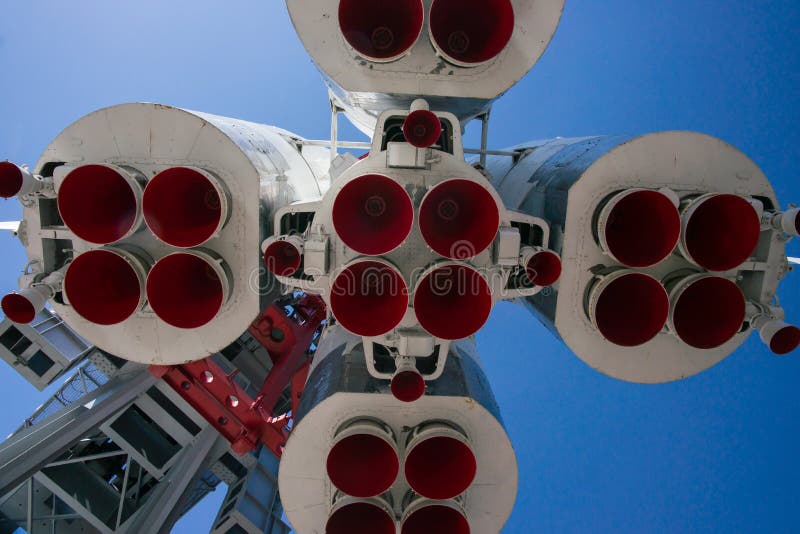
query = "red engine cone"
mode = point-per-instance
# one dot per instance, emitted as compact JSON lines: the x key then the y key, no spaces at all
{"x":381,"y":30}
{"x":369,"y":298}
{"x":184,"y":207}
{"x":373,"y":214}
{"x":471,"y":32}
{"x":459,"y":219}
{"x":100,"y":203}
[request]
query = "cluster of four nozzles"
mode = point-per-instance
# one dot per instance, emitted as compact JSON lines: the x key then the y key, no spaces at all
{"x":105,"y":204}
{"x":363,"y":463}
{"x":374,"y":215}
{"x":715,"y":232}
{"x":466,"y":33}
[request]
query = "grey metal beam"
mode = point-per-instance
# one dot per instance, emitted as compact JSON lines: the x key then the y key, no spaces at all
{"x":159,"y":514}
{"x":28,"y":451}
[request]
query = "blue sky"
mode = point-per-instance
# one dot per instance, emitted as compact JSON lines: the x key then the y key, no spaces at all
{"x":714,"y":453}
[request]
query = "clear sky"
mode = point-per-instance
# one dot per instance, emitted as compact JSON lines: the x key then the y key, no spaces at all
{"x":714,"y":453}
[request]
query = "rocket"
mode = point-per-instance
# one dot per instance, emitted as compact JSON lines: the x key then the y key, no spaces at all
{"x":159,"y":234}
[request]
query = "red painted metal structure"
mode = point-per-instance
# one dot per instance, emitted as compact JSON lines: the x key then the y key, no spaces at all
{"x":244,"y":421}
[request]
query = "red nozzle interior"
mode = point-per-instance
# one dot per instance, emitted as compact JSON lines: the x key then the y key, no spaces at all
{"x":436,"y":518}
{"x":381,"y":29}
{"x":440,"y":467}
{"x":453,"y":302}
{"x":408,"y":386}
{"x":544,"y":268}
{"x":784,"y":341}
{"x":18,"y":309}
{"x":184,"y":290}
{"x":363,"y":465}
{"x":709,"y":312}
{"x":643,"y":228}
{"x":102,"y":287}
{"x":471,"y":31}
{"x":369,"y":298}
{"x":360,"y":518}
{"x":98,"y":204}
{"x":373,"y":214}
{"x":10,"y":179}
{"x":282,"y":258}
{"x":182,"y":207}
{"x":722,"y":232}
{"x":632,"y":309}
{"x":459,"y":219}
{"x":422,"y":128}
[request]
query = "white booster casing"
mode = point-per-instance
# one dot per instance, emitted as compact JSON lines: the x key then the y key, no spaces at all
{"x":360,"y":460}
{"x":461,"y":55}
{"x":670,"y":243}
{"x":157,"y":216}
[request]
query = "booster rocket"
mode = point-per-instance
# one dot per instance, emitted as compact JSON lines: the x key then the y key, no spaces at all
{"x":159,"y":234}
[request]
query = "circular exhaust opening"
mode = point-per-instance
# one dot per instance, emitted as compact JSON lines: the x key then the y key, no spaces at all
{"x":471,"y":32}
{"x":543,"y":268}
{"x":785,"y":340}
{"x":629,"y":309}
{"x":422,"y":128}
{"x":369,"y":298}
{"x":11,"y":179}
{"x":360,"y":518}
{"x":435,"y":518}
{"x":440,"y":467}
{"x":459,"y":219}
{"x":407,"y":386}
{"x":381,"y":30}
{"x":452,"y":302}
{"x":103,"y":286}
{"x":363,"y":465}
{"x":708,"y":311}
{"x":186,"y":290}
{"x":99,"y":203}
{"x":721,"y":231}
{"x":184,"y":207}
{"x":282,"y":258}
{"x":17,"y":308}
{"x":639,"y":228}
{"x":373,"y":214}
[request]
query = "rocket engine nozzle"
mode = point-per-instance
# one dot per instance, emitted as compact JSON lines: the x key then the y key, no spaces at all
{"x":363,"y":462}
{"x":470,"y":32}
{"x":459,"y":218}
{"x":381,"y":30}
{"x":407,"y":385}
{"x":21,"y":307}
{"x":100,"y":203}
{"x":188,"y":289}
{"x":435,"y":517}
{"x":439,"y":463}
{"x":185,"y":207}
{"x":781,"y":337}
{"x":360,"y":517}
{"x":452,"y":301}
{"x":628,"y":308}
{"x":707,"y":311}
{"x":16,"y":181}
{"x":639,"y":227}
{"x":373,"y":214}
{"x":422,"y":128}
{"x":543,"y":268}
{"x":105,"y":286}
{"x":369,"y":297}
{"x":720,"y":231}
{"x":282,"y":257}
